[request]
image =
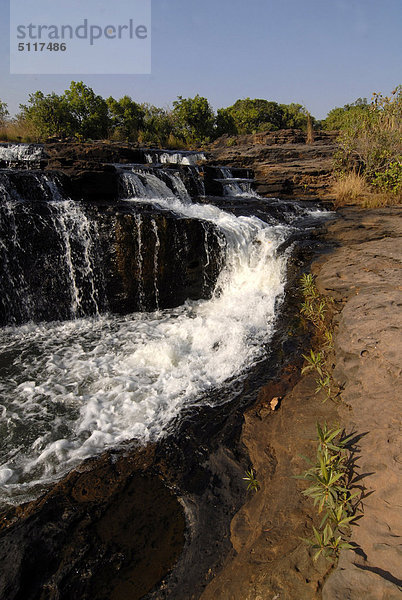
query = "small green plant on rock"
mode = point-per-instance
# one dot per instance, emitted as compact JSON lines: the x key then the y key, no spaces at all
{"x":315,"y":361}
{"x":253,"y":483}
{"x":315,"y":308}
{"x":324,"y":384}
{"x":329,"y":478}
{"x":327,"y":543}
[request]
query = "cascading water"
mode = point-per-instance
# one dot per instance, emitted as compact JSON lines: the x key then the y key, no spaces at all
{"x":21,"y":155}
{"x":29,"y":288}
{"x":70,"y":389}
{"x":174,"y":158}
{"x":139,"y":182}
{"x":235,"y":186}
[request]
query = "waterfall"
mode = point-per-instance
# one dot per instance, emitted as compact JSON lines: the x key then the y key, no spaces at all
{"x":72,"y":388}
{"x":63,"y":280}
{"x":156,"y":270}
{"x":153,"y":184}
{"x":173,"y":157}
{"x":141,"y":298}
{"x":235,"y":186}
{"x":21,"y":155}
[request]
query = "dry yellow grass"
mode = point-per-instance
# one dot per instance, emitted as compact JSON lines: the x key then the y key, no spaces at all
{"x":354,"y":189}
{"x":15,"y":131}
{"x":350,"y":189}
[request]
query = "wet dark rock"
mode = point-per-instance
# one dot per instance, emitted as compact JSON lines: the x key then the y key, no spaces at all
{"x":141,"y":259}
{"x":110,"y":530}
{"x":65,"y":155}
{"x":179,"y":258}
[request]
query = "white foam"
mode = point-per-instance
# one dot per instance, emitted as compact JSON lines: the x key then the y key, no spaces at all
{"x":77,"y":387}
{"x":15,"y":153}
{"x":174,"y":158}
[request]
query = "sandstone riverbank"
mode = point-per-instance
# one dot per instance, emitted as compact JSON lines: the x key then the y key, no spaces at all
{"x":268,"y":560}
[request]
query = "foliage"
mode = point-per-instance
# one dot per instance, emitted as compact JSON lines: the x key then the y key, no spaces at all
{"x":88,"y":112}
{"x":225,"y":123}
{"x":341,"y":118}
{"x":48,"y":115}
{"x":126,"y":118}
{"x":390,"y":180}
{"x":315,"y":361}
{"x":252,"y":116}
{"x":194,"y":119}
{"x":330,"y":480}
{"x":3,"y":113}
{"x":78,"y":112}
{"x":295,"y":116}
{"x":81,"y":113}
{"x":249,"y":116}
{"x":158,"y":126}
{"x":315,"y":308}
{"x":253,"y":483}
{"x":371,"y":138}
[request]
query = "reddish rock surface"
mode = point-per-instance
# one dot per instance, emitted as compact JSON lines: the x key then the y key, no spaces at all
{"x":366,"y":274}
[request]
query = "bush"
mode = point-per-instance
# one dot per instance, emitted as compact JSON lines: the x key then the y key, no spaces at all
{"x":252,"y":116}
{"x":340,"y":118}
{"x":3,"y":113}
{"x":370,"y":139}
{"x":126,"y":118}
{"x":390,"y":180}
{"x":194,"y":119}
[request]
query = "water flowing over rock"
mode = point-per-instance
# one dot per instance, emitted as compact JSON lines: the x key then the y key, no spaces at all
{"x":63,"y":259}
{"x":22,"y":156}
{"x":173,"y":157}
{"x":132,"y":317}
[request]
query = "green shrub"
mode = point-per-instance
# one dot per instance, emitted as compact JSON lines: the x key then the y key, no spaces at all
{"x":330,"y":488}
{"x":390,"y":180}
{"x":371,"y":136}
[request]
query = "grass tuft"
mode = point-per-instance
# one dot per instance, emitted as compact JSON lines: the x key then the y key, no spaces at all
{"x":353,"y":189}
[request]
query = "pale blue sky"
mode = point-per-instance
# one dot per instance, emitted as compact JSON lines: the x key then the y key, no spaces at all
{"x":321,"y":53}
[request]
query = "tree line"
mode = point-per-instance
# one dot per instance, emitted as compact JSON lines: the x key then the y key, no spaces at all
{"x":80,"y":113}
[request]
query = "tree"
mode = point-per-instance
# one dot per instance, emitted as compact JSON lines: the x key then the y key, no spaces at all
{"x":3,"y":113}
{"x":47,"y":115}
{"x":370,"y":139}
{"x":88,"y":112}
{"x":126,"y":118}
{"x":340,"y":118}
{"x":225,"y":123}
{"x":158,"y":125}
{"x":295,"y":116}
{"x":194,"y":119}
{"x":257,"y":115}
{"x":78,"y":111}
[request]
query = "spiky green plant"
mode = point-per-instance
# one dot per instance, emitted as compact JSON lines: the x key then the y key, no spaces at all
{"x":327,"y":543}
{"x":253,"y":483}
{"x":330,"y":480}
{"x":315,"y":361}
{"x":324,"y":384}
{"x":307,"y":282}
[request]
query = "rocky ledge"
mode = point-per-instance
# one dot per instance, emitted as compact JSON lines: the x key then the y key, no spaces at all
{"x":284,"y":165}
